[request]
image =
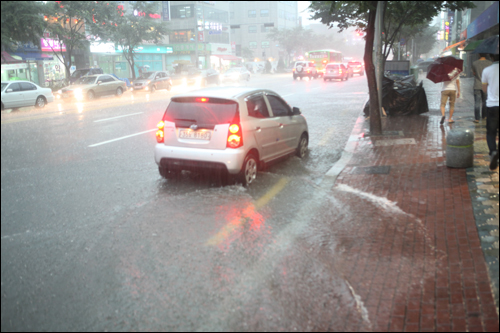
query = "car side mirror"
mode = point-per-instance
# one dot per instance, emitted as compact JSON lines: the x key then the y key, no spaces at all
{"x":99,"y":82}
{"x":9,"y":90}
{"x":296,"y":111}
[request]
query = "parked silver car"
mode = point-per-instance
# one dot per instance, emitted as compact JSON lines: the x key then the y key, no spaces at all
{"x":233,"y":130}
{"x":16,"y":94}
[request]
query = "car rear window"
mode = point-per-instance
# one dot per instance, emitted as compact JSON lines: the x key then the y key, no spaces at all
{"x":332,"y":67}
{"x":187,"y":111}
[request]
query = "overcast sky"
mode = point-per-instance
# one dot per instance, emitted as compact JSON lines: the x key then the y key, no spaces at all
{"x":304,"y":12}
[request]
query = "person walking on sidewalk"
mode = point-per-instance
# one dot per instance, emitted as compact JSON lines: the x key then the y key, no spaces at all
{"x":451,"y":91}
{"x":490,"y":86}
{"x":479,"y":96}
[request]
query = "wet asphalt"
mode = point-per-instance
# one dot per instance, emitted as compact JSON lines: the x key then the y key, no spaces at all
{"x":94,"y":239}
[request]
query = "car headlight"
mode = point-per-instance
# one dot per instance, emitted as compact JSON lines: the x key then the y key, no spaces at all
{"x":59,"y":91}
{"x":78,"y":93}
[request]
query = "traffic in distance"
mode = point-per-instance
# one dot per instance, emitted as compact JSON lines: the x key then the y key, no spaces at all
{"x":224,"y":130}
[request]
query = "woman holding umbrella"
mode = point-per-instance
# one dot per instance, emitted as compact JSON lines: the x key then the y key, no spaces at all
{"x":447,"y":70}
{"x":451,"y":91}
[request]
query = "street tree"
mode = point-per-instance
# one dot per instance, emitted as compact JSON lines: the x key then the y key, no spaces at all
{"x":21,"y":22}
{"x":296,"y":39}
{"x":361,"y":14}
{"x":68,"y":23}
{"x":247,"y":54}
{"x":134,"y":27}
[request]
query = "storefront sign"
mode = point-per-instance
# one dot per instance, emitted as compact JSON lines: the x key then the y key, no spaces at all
{"x":200,"y":36}
{"x":102,"y":47}
{"x":25,"y":47}
{"x":147,"y":49}
{"x":14,"y":66}
{"x":52,"y":45}
{"x":218,"y":48}
{"x":486,"y":20}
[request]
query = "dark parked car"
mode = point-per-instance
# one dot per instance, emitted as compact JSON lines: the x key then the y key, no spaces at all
{"x":151,"y":81}
{"x":82,"y":72}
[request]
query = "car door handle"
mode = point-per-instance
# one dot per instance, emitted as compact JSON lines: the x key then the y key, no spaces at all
{"x":258,"y":129}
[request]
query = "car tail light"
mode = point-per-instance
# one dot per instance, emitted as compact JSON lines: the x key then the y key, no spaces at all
{"x":293,"y":70}
{"x":202,"y":99}
{"x":340,"y":71}
{"x":160,"y":134}
{"x":234,"y":136}
{"x":308,"y":71}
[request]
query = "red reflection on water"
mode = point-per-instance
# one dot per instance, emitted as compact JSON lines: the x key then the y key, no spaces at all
{"x":245,"y":226}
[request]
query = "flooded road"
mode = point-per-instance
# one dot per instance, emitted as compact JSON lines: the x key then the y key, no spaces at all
{"x":94,"y":239}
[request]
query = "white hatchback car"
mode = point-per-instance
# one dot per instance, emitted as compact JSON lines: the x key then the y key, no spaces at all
{"x":234,"y":130}
{"x":16,"y":94}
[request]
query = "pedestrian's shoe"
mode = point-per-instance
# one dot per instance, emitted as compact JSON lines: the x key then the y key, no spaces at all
{"x":442,"y":120}
{"x":494,"y":160}
{"x":451,"y":121}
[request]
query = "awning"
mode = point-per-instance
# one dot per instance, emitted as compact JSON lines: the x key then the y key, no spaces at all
{"x":32,"y":56}
{"x":8,"y":59}
{"x":472,"y":45}
{"x":454,"y":45}
{"x":227,"y":56}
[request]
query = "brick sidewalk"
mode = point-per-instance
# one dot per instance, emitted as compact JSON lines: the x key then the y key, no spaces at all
{"x":423,"y":268}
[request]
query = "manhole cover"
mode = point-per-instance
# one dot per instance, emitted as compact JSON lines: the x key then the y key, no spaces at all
{"x":380,"y":170}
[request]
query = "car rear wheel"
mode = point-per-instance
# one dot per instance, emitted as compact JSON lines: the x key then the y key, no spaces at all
{"x":90,"y":95}
{"x":302,"y":147}
{"x":40,"y":102}
{"x":248,"y":172}
{"x":153,"y":89}
{"x":295,"y":77}
{"x":119,"y":92}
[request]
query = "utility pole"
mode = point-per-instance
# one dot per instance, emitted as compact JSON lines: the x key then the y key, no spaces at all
{"x":379,"y":61}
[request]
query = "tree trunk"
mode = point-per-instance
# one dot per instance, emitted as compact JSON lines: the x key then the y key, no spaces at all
{"x":375,"y":122}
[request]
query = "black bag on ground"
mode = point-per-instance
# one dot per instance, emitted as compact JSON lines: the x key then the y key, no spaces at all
{"x":401,"y":98}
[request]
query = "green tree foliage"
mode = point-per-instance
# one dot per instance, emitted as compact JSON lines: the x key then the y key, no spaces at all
{"x":67,"y":22}
{"x":21,"y":21}
{"x":296,"y":39}
{"x":128,"y":31}
{"x":300,"y":40}
{"x":420,"y":38}
{"x":247,"y":54}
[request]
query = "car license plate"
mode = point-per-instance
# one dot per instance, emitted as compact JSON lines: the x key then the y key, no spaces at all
{"x":197,"y":135}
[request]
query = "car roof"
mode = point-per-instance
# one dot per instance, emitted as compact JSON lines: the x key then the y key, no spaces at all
{"x":232,"y":93}
{"x":17,"y":81}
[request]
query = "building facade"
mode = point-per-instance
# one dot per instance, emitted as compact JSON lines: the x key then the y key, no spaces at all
{"x":468,"y":28}
{"x":252,"y":19}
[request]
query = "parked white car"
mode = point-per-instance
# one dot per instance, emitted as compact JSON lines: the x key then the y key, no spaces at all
{"x":16,"y":94}
{"x":233,"y":130}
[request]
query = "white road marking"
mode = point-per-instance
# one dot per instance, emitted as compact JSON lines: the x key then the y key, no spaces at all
{"x":127,"y":115}
{"x":123,"y":137}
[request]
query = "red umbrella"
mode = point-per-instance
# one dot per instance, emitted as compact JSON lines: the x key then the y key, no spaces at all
{"x":445,"y":69}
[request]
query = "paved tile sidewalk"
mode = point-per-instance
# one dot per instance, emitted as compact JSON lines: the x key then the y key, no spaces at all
{"x":424,"y":269}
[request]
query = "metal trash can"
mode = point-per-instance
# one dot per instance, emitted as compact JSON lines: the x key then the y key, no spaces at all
{"x":460,"y":148}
